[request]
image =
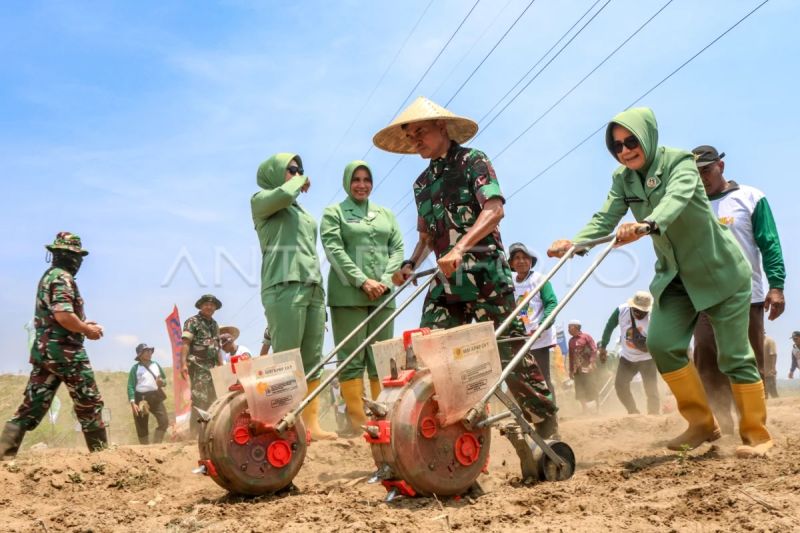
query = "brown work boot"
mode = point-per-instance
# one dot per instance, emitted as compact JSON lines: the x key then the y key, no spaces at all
{"x":752,"y":407}
{"x":10,"y":440}
{"x":693,"y":405}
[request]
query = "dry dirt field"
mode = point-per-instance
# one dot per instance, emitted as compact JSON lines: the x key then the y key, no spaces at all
{"x":625,"y":482}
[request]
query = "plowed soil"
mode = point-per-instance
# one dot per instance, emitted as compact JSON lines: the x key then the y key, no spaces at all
{"x":626,"y":481}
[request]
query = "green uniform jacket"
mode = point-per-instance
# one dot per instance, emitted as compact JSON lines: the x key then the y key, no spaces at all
{"x":691,"y":243}
{"x":362,"y":241}
{"x":287,"y":233}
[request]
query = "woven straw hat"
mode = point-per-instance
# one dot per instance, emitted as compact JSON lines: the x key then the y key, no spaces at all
{"x":392,"y":138}
{"x":233,"y":331}
{"x":642,"y":300}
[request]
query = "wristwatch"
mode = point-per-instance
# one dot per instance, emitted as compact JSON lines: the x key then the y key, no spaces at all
{"x":408,"y":262}
{"x":653,"y":226}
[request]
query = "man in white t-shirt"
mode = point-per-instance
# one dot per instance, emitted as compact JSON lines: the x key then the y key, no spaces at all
{"x":521,"y":260}
{"x":746,"y":212}
{"x":227,"y":340}
{"x":633,"y":319}
{"x":539,"y":308}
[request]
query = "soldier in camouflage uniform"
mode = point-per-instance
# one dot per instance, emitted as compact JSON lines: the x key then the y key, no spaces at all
{"x":57,"y":354}
{"x":200,"y":354}
{"x":459,"y":207}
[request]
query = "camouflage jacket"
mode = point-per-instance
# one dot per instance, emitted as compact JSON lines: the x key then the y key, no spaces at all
{"x":450,"y":194}
{"x":202,"y":334}
{"x":57,"y":291}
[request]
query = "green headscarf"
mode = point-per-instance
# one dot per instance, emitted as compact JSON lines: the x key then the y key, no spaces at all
{"x":347,"y":177}
{"x":641,"y":122}
{"x":272,"y":172}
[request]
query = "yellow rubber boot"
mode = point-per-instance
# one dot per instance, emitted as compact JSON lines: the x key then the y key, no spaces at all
{"x":311,"y":416}
{"x":374,"y":387}
{"x":749,"y":400}
{"x":352,"y":391}
{"x":692,"y":402}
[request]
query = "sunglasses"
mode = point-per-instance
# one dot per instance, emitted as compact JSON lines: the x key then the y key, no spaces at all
{"x":294,"y":170}
{"x":630,"y":143}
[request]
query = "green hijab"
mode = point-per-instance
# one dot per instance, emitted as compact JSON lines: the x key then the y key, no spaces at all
{"x":347,"y":177}
{"x":641,"y":122}
{"x":272,"y":172}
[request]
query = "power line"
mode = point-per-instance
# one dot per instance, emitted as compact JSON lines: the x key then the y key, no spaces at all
{"x":563,"y":36}
{"x":502,"y":37}
{"x":468,"y":53}
{"x":645,"y":94}
{"x":374,"y":90}
{"x":396,"y":164}
{"x":525,"y":75}
{"x":424,"y":74}
{"x":524,"y":87}
{"x":565,"y":95}
{"x":496,"y":44}
{"x":411,"y":92}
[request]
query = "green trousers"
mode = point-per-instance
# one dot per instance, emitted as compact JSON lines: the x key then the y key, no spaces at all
{"x":672,"y":323}
{"x":296,"y":317}
{"x":345,"y":320}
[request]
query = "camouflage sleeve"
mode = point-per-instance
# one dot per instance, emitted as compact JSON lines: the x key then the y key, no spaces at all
{"x":421,"y":226}
{"x":483,"y":179}
{"x":189,"y":328}
{"x":62,"y":294}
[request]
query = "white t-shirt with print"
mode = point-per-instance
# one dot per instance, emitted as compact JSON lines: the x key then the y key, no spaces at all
{"x":534,"y":314}
{"x":735,"y":210}
{"x":240,"y":350}
{"x":627,"y":349}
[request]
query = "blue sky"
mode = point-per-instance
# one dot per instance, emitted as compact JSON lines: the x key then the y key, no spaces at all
{"x":140,"y":126}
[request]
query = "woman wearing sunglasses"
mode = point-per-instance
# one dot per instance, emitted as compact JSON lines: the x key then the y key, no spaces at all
{"x":291,"y":282}
{"x":364,"y":246}
{"x":699,"y":268}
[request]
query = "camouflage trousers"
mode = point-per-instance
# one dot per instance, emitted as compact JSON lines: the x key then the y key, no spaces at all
{"x":43,"y":383}
{"x":202,"y":392}
{"x":526,"y":382}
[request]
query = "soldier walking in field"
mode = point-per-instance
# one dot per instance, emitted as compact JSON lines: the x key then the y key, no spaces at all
{"x":57,"y":354}
{"x":200,"y":353}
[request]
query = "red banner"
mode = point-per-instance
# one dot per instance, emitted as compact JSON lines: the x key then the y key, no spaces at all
{"x":182,"y":394}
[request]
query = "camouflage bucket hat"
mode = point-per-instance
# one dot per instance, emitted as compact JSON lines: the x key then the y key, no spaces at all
{"x":67,"y":241}
{"x":208,"y":298}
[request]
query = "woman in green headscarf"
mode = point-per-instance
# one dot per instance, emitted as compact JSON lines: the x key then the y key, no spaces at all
{"x":364,"y":246}
{"x":291,"y":282}
{"x":699,"y":267}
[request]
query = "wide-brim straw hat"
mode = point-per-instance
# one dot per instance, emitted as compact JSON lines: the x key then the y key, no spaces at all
{"x":393,"y":138}
{"x":233,"y":331}
{"x":642,"y":300}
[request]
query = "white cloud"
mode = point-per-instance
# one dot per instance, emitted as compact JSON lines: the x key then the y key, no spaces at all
{"x":127,"y":340}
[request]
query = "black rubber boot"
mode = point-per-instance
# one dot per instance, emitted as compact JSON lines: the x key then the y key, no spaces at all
{"x":158,"y":436}
{"x":548,"y":428}
{"x":10,"y":440}
{"x":96,"y":439}
{"x":144,"y":440}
